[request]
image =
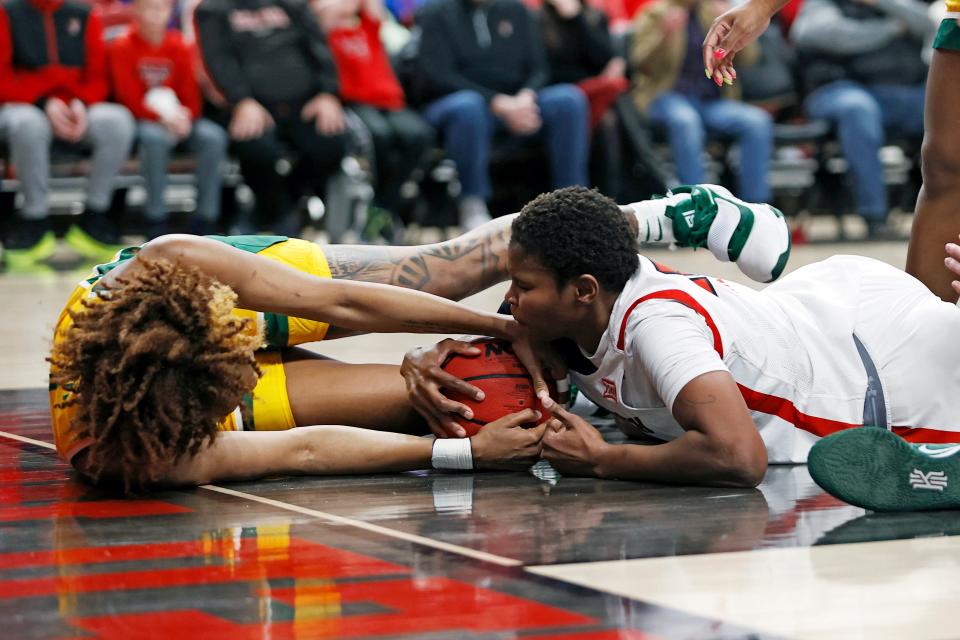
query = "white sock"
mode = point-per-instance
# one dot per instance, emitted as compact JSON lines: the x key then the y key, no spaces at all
{"x":653,"y":226}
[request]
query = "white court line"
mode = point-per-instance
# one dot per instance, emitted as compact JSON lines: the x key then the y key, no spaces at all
{"x":400,"y":535}
{"x":39,"y":443}
{"x":335,"y":519}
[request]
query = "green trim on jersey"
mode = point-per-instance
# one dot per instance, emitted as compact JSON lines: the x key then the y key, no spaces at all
{"x":948,"y":36}
{"x":246,"y":412}
{"x":250,"y":244}
{"x":276,"y":330}
{"x":103,"y":269}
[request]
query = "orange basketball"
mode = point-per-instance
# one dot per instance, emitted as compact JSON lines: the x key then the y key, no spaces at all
{"x":505,"y":382}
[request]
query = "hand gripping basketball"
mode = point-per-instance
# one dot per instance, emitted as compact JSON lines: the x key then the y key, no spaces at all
{"x":506,"y":384}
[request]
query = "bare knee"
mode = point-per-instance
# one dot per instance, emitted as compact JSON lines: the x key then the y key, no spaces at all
{"x":940,"y":167}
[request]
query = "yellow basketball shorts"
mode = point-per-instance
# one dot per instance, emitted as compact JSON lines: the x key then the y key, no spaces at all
{"x":267,"y":407}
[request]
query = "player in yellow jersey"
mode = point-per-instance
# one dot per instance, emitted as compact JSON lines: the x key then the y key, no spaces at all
{"x":154,"y":349}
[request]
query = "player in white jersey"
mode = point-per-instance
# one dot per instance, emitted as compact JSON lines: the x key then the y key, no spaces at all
{"x":727,"y":377}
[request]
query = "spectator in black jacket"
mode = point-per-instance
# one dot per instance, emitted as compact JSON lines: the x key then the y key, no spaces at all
{"x":270,"y":60}
{"x":484,"y":66}
{"x":861,"y":62}
{"x":580,"y":51}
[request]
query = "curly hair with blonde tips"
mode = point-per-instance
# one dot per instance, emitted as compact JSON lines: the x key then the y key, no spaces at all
{"x":155,"y":363}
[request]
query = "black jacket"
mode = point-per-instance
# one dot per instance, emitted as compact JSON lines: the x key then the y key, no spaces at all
{"x":491,"y":47}
{"x":269,"y":50}
{"x":578,"y":48}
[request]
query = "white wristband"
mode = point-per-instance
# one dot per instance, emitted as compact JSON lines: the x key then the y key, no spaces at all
{"x":452,"y":453}
{"x":563,"y":385}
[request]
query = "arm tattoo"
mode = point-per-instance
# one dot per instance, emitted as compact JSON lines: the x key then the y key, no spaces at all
{"x":452,"y":269}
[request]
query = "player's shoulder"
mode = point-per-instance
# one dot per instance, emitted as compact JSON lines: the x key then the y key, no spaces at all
{"x":659,"y":300}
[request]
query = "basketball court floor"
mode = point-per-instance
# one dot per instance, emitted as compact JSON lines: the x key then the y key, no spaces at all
{"x":445,"y":555}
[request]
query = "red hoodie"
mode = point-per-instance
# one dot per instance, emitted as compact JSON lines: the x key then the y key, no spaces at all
{"x":68,"y":62}
{"x":136,"y":66}
{"x":366,"y":76}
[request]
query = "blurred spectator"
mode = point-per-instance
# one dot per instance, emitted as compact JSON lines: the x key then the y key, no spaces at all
{"x":579,"y":51}
{"x":53,"y":81}
{"x":615,"y":12}
{"x":668,"y":76}
{"x":770,"y":82}
{"x":861,"y":64}
{"x":484,"y":65}
{"x":404,"y":10}
{"x":152,"y":72}
{"x":368,"y":85}
{"x":270,"y":61}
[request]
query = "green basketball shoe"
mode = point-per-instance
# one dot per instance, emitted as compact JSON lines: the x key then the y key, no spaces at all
{"x":876,"y":469}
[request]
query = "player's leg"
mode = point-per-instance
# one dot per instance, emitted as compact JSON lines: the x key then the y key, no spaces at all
{"x":911,"y":335}
{"x":299,"y":388}
{"x":937,"y":219}
{"x":754,"y":236}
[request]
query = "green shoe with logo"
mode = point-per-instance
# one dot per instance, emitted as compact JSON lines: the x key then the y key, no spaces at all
{"x":691,"y":216}
{"x":875,"y":469}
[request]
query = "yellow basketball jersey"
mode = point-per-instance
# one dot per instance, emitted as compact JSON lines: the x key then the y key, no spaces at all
{"x":267,"y":405}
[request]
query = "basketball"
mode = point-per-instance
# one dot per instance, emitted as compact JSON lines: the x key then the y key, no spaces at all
{"x":505,"y":382}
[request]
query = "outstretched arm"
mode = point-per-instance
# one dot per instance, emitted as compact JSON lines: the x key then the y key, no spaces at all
{"x":324,"y":450}
{"x":266,"y":285}
{"x":336,"y":450}
{"x":720,"y":447}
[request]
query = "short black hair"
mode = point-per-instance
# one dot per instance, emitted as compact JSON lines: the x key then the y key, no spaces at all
{"x":575,"y":230}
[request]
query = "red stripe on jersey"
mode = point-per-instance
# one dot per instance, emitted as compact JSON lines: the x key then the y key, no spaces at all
{"x":922,"y":434}
{"x":784,"y":409}
{"x":683,"y":298}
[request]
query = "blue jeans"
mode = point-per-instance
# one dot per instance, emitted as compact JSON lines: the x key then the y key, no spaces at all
{"x":468,"y":128}
{"x":862,"y":115}
{"x":688,"y":120}
{"x":207,"y":141}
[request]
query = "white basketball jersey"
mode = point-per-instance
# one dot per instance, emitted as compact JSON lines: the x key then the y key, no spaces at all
{"x":790,"y":348}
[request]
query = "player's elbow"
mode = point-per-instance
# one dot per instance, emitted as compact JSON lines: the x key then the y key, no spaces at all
{"x":743,"y":465}
{"x":312,"y":451}
{"x":177,"y":248}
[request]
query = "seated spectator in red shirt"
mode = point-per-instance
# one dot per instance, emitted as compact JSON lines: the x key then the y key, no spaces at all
{"x":53,"y":84}
{"x":153,"y":76}
{"x":370,"y":88}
